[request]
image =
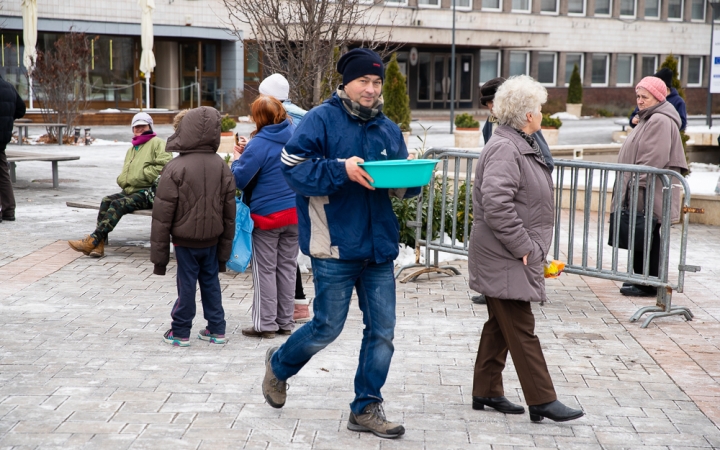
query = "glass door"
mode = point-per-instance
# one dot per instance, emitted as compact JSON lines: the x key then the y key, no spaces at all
{"x":434,"y":80}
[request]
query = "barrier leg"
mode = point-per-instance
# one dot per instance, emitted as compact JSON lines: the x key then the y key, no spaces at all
{"x":13,"y":175}
{"x":663,"y":308}
{"x":445,"y":270}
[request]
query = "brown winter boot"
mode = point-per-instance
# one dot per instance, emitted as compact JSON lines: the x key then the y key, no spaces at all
{"x":302,"y":311}
{"x":99,"y":250}
{"x":83,"y":245}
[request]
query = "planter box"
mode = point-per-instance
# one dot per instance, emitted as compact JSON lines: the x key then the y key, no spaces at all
{"x":467,"y":137}
{"x":574,"y":108}
{"x":551,"y":135}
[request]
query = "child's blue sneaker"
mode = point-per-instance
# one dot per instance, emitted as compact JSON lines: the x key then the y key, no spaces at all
{"x":176,"y":341}
{"x":206,"y":335}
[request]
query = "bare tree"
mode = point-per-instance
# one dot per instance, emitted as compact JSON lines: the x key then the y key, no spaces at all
{"x":301,"y":38}
{"x":60,"y":79}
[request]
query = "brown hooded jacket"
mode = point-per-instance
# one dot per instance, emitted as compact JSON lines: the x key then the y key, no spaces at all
{"x":195,"y":200}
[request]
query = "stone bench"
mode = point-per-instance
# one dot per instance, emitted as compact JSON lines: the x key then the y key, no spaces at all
{"x":14,"y":157}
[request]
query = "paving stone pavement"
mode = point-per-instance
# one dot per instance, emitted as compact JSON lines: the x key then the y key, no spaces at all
{"x":82,"y":363}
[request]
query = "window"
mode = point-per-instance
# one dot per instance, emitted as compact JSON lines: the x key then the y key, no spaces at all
{"x":627,"y":8}
{"x":695,"y":64}
{"x":461,"y":4}
{"x":572,"y":60}
{"x":576,"y":7}
{"x":625,"y":70}
{"x":547,"y":68}
{"x":698,"y":10}
{"x":491,"y":5}
{"x":599,"y":70}
{"x":649,"y":66}
{"x":675,"y":9}
{"x":521,"y":5}
{"x":489,"y":65}
{"x":603,"y":7}
{"x":549,"y":6}
{"x":652,"y":9}
{"x":429,"y":3}
{"x":396,"y":2}
{"x":519,"y":63}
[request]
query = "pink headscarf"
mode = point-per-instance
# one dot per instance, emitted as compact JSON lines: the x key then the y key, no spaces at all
{"x":654,"y":86}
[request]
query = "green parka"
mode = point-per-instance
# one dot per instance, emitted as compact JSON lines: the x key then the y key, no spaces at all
{"x":142,"y":165}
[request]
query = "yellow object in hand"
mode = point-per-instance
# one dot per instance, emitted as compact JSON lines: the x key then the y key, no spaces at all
{"x":553,"y":269}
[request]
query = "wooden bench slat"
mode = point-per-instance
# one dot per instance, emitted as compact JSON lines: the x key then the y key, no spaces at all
{"x":96,"y":206}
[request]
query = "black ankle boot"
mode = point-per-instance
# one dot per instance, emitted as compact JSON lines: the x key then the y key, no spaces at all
{"x":554,"y":411}
{"x":499,"y":403}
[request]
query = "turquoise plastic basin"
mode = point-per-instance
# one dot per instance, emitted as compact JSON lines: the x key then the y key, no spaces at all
{"x":400,"y":173}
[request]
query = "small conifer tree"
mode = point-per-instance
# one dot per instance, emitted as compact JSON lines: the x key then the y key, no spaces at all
{"x":671,"y":63}
{"x":396,"y":100}
{"x":575,"y":90}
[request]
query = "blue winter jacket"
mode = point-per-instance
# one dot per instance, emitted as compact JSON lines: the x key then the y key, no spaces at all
{"x":261,"y":157}
{"x":294,"y":111}
{"x":675,"y":100}
{"x":339,"y":218}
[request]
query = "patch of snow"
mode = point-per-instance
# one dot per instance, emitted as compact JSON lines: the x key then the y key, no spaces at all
{"x":702,"y":167}
{"x":106,"y":142}
{"x":109,"y":110}
{"x":407,"y":254}
{"x":702,"y":129}
{"x":703,"y":183}
{"x":565,"y":116}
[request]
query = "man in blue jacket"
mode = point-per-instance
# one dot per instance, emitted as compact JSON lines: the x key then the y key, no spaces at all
{"x":349,"y":230}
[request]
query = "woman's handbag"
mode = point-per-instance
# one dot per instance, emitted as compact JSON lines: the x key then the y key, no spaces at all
{"x":242,"y":243}
{"x":624,"y":235}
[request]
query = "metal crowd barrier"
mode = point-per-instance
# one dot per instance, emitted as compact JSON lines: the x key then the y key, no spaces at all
{"x":582,"y":205}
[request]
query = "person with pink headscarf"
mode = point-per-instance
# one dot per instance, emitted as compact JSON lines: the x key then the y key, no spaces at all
{"x":654,"y":142}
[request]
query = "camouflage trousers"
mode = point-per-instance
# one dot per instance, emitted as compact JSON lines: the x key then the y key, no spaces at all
{"x":113,"y":207}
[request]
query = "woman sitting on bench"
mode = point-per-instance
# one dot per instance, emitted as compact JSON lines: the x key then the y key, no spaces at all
{"x":143,"y":163}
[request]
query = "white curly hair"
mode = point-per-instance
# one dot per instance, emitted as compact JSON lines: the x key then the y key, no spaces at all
{"x":515,"y":98}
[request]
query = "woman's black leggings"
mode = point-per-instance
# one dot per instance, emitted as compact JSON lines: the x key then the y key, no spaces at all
{"x":299,"y":293}
{"x":638,"y":260}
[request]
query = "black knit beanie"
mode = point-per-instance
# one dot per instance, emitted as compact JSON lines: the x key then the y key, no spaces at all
{"x":666,"y":75}
{"x":359,"y":62}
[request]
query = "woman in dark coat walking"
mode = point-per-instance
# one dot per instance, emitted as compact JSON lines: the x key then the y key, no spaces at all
{"x":511,"y":235}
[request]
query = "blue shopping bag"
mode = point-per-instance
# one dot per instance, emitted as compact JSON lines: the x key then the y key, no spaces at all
{"x":242,"y":243}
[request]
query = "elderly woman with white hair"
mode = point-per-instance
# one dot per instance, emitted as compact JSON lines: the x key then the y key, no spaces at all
{"x":511,"y":235}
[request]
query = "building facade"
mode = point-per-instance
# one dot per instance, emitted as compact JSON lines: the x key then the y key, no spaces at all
{"x":614,"y":43}
{"x":191,"y":45}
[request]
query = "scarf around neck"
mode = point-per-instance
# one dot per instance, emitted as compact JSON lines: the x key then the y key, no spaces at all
{"x":143,"y":138}
{"x":531,"y":142}
{"x":355,"y":109}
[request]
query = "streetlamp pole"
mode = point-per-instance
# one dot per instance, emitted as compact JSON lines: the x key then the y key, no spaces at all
{"x":452,"y":71}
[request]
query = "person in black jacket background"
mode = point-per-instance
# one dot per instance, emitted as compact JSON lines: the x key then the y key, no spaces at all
{"x":11,"y":107}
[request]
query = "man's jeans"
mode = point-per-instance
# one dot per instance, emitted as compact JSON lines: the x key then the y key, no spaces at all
{"x":334,"y":281}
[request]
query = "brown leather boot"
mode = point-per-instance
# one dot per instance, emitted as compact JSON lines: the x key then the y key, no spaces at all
{"x":84,"y":245}
{"x":99,"y":250}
